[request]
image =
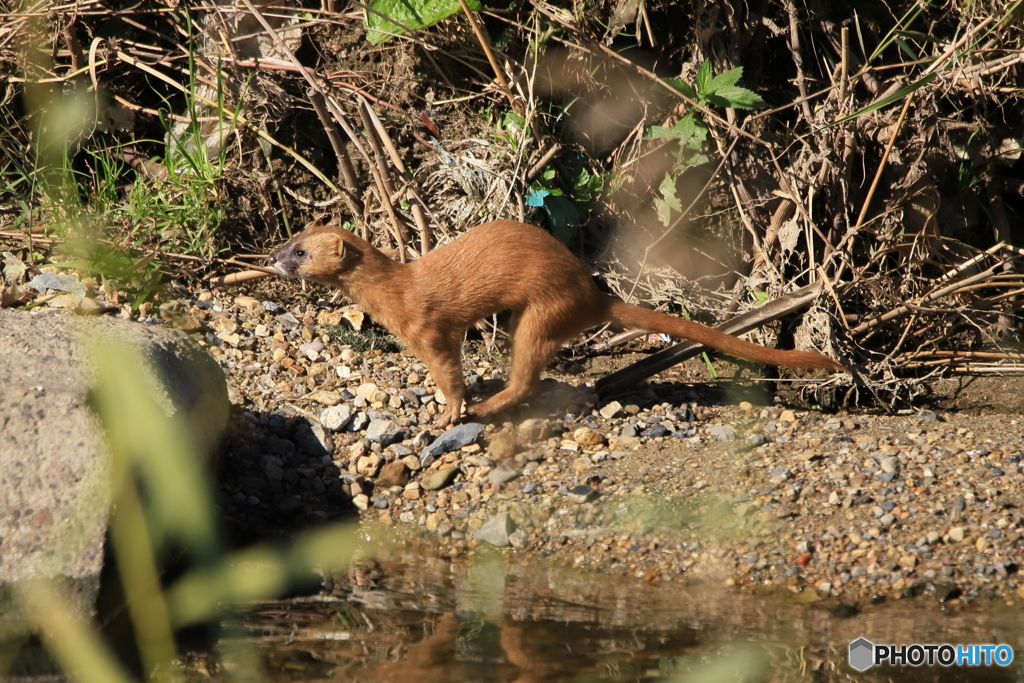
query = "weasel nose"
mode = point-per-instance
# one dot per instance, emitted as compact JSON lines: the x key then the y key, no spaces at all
{"x":272,"y":259}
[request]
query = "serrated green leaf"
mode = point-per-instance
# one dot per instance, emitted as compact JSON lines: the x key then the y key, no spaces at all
{"x":683,"y":87}
{"x":724,"y":80}
{"x":414,"y":14}
{"x":704,"y":77}
{"x":692,"y":133}
{"x":740,"y":98}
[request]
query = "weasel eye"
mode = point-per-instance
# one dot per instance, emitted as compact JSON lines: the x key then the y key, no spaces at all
{"x":300,"y":253}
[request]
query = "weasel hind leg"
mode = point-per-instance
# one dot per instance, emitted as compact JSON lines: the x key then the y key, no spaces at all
{"x":534,"y":344}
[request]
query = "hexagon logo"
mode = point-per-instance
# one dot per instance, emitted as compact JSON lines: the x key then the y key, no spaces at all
{"x":862,"y":654}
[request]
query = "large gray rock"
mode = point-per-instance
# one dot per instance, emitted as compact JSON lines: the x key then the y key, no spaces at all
{"x":54,"y":466}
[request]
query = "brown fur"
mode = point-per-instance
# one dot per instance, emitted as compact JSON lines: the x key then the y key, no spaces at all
{"x":500,"y":266}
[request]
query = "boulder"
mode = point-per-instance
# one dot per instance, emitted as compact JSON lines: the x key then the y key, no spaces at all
{"x":54,"y":464}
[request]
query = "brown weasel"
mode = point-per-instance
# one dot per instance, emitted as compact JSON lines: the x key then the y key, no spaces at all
{"x":500,"y":266}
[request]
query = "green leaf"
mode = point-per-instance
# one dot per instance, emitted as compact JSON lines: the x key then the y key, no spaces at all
{"x":683,"y":87}
{"x":413,"y":14}
{"x":512,"y":118}
{"x":704,"y":77}
{"x":692,"y":132}
{"x":907,"y":49}
{"x":740,"y":98}
{"x":760,"y":298}
{"x":655,"y":132}
{"x":724,"y":80}
{"x":670,"y":202}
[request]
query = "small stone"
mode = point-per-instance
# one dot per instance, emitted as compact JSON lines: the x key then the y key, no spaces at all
{"x":248,"y":304}
{"x":314,"y":440}
{"x":455,"y":438}
{"x":223,"y":326}
{"x":311,"y":350}
{"x":655,"y":431}
{"x":890,"y":464}
{"x":908,"y":562}
{"x":325,"y":398}
{"x":502,"y":473}
{"x":336,"y":417}
{"x":393,"y":474}
{"x":588,"y":438}
{"x":787,"y":416}
{"x":886,"y":520}
{"x":582,"y":493}
{"x":369,"y":465}
{"x":722,"y":432}
{"x":612,"y":410}
{"x":361,"y":502}
{"x":384,"y":432}
{"x":496,"y":530}
{"x":367,"y":390}
{"x":956,"y":534}
{"x":438,"y":479}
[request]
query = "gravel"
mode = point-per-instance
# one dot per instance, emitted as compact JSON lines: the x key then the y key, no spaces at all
{"x":661,"y":485}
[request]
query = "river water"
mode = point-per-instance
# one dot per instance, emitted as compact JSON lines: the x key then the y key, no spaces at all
{"x":411,"y":617}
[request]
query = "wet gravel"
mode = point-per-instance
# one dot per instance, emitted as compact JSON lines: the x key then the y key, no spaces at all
{"x":656,"y":485}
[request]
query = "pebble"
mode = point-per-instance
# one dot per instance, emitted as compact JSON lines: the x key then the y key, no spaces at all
{"x":455,"y":438}
{"x":496,"y":530}
{"x":438,"y":479}
{"x":384,"y":432}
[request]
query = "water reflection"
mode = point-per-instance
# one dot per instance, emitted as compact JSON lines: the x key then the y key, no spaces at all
{"x":415,"y":618}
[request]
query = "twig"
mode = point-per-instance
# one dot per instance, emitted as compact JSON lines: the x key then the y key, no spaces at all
{"x":417,"y":204}
{"x":882,"y":163}
{"x":486,"y":45}
{"x":935,"y":294}
{"x":241,"y":276}
{"x":539,"y":166}
{"x":388,"y":187}
{"x":348,"y":173}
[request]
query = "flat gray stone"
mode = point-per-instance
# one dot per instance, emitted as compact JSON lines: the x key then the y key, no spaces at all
{"x":384,"y":432}
{"x":722,"y":432}
{"x":455,"y":438}
{"x":496,"y":530}
{"x":502,"y":473}
{"x":54,"y":465}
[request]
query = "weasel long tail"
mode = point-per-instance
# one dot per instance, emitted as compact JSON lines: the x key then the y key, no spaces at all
{"x":654,"y":321}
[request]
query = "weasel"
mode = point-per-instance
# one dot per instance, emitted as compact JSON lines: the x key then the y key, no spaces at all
{"x":500,"y":266}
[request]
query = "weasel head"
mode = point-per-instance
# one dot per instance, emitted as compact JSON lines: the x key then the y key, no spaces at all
{"x":318,"y":253}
